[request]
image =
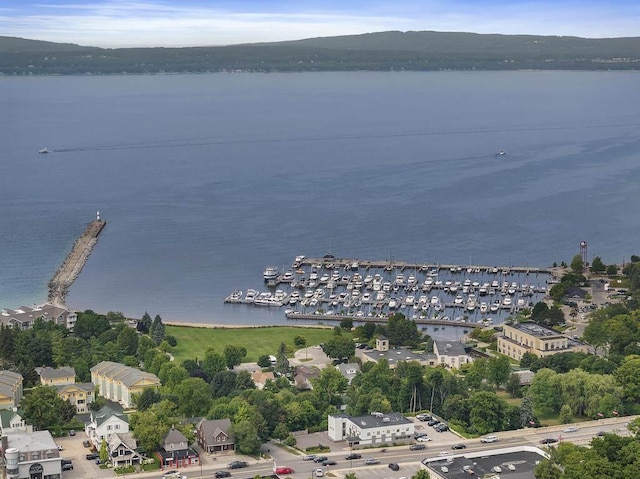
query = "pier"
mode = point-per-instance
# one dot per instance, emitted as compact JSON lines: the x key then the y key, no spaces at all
{"x":72,"y":266}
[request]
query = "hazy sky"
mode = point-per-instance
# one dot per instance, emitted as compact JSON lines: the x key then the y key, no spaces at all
{"x":120,"y":23}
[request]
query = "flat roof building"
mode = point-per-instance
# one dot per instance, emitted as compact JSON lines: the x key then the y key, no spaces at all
{"x":530,"y":337}
{"x":372,"y":430}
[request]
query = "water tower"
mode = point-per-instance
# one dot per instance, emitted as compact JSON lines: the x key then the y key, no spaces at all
{"x":583,"y":252}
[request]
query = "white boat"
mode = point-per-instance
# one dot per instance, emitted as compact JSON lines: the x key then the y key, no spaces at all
{"x":393,"y":303}
{"x":458,"y":300}
{"x":271,"y":272}
{"x":43,"y":151}
{"x":471,"y":302}
{"x":495,"y":306}
{"x":506,"y":301}
{"x":501,"y":153}
{"x":251,"y":294}
{"x":484,"y":307}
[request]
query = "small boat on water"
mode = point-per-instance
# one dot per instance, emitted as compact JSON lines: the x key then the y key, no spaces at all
{"x":501,"y":153}
{"x":43,"y":151}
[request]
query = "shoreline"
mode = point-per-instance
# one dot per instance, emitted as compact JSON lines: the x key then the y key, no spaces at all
{"x":191,"y":324}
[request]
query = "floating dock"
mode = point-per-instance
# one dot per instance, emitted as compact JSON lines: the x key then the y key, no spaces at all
{"x":72,"y":266}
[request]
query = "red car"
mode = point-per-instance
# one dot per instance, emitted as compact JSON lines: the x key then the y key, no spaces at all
{"x":284,"y":470}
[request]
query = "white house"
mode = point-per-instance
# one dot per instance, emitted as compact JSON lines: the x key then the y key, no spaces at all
{"x":451,"y":354}
{"x":104,"y":424}
{"x":373,"y":430}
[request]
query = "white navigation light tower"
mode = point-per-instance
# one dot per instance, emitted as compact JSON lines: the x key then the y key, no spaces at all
{"x":97,"y":215}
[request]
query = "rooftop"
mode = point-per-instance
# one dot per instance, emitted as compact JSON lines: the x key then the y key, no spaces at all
{"x":535,"y":329}
{"x":375,"y":420}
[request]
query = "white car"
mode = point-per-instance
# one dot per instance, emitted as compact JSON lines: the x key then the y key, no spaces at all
{"x":489,"y":439}
{"x":571,"y":429}
{"x":319,"y":473}
{"x":423,"y":439}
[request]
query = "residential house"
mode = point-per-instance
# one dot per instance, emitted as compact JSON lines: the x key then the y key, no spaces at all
{"x":122,"y":450}
{"x":348,"y":370}
{"x":530,"y":337}
{"x":31,"y":455}
{"x":175,"y":451}
{"x":12,"y":421}
{"x":10,"y":389}
{"x":451,"y":354}
{"x":373,"y":430}
{"x":24,"y":317}
{"x":78,"y":394}
{"x":104,"y":423}
{"x":57,"y":377}
{"x":214,"y":435}
{"x":398,"y":355}
{"x":260,"y":378}
{"x":303,"y":376}
{"x":119,"y":383}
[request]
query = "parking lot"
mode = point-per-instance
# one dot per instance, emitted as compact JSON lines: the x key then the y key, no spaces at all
{"x":73,"y":449}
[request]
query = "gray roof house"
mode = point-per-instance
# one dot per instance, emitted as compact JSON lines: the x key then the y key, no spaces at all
{"x":24,"y":317}
{"x":10,"y":389}
{"x":214,"y":435}
{"x":56,"y":376}
{"x":119,"y":383}
{"x":348,"y":370}
{"x":122,"y":449}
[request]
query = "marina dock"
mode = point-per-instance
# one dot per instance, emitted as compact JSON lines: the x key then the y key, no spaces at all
{"x":332,"y":289}
{"x":72,"y":266}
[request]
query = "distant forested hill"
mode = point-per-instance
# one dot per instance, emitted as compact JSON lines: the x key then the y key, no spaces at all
{"x":384,"y":51}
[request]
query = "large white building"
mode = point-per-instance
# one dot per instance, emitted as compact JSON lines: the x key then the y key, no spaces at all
{"x":32,"y":455}
{"x":373,"y":430}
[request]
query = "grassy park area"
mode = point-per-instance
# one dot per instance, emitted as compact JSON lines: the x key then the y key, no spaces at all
{"x":194,"y":341}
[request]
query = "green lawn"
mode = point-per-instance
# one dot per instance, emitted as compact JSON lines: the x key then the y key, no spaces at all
{"x":193,"y":342}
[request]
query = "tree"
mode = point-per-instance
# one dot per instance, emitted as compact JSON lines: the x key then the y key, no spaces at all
{"x":128,"y":341}
{"x":247,"y":440}
{"x":104,"y":453}
{"x":401,"y":330}
{"x":557,"y":292}
{"x":597,"y":266}
{"x":213,"y":363}
{"x":330,"y":384}
{"x":43,"y":408}
{"x":547,"y":470}
{"x":612,"y":270}
{"x":233,"y":355}
{"x":499,"y":370}
{"x":628,"y":377}
{"x":566,"y":416}
{"x":147,"y":398}
{"x":194,"y":397}
{"x":300,"y":342}
{"x":145,"y":323}
{"x":339,"y":347}
{"x":263,"y":361}
{"x":282,"y":363}
{"x":148,"y":429}
{"x":346,"y":324}
{"x":420,"y":474}
{"x":280,"y":432}
{"x":577,"y":265}
{"x":156,"y":331}
{"x":513,"y":386}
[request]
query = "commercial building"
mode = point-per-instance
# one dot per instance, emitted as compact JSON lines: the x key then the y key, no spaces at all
{"x":32,"y":455}
{"x":373,"y":430}
{"x":530,"y":337}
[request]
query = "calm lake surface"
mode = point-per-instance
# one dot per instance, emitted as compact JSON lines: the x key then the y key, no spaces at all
{"x":207,"y":179}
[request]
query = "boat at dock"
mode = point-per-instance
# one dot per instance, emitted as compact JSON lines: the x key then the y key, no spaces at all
{"x":271,"y":272}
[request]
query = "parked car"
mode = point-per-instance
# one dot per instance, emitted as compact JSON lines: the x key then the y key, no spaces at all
{"x":329,"y":463}
{"x":417,"y":447}
{"x":424,"y":439}
{"x":72,"y":432}
{"x":319,"y":473}
{"x":458,"y":446}
{"x":92,"y":456}
{"x":433,"y":422}
{"x":237,"y":465}
{"x":309,"y":457}
{"x":284,"y":470}
{"x":424,"y":417}
{"x":353,"y":455}
{"x":320,"y":459}
{"x":86,"y":443}
{"x":419,"y":434}
{"x":67,"y":467}
{"x":98,"y":461}
{"x":60,"y":448}
{"x":371,"y":461}
{"x":442,"y":427}
{"x":394,"y":466}
{"x":66,"y":461}
{"x":221,"y":474}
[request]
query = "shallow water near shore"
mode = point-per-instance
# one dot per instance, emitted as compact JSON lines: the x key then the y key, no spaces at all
{"x":205,"y":180}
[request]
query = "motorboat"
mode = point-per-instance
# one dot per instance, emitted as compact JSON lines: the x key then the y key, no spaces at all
{"x":43,"y":151}
{"x":501,"y":153}
{"x":271,"y":272}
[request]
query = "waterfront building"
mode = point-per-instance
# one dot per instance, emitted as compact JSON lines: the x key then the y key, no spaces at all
{"x":24,"y":317}
{"x":119,"y":383}
{"x":373,"y":430}
{"x":530,"y":337}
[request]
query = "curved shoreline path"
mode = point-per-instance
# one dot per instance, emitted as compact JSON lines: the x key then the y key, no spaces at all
{"x":72,"y":266}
